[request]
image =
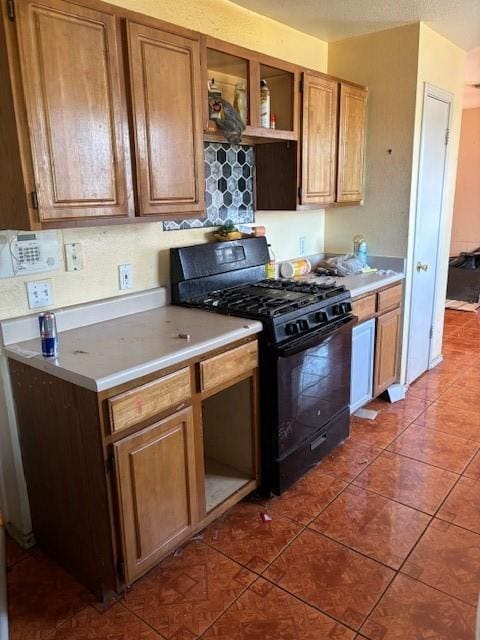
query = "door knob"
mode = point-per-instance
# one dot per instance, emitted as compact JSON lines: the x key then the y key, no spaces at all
{"x":422,"y":266}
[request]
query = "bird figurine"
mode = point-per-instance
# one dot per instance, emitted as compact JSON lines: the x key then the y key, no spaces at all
{"x":231,"y":124}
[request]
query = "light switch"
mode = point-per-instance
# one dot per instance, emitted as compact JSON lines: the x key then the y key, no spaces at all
{"x":39,"y":294}
{"x":125,"y":273}
{"x":74,"y":256}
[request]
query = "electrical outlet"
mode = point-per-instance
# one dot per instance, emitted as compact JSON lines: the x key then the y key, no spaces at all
{"x":125,"y":272}
{"x":74,"y":256}
{"x":39,"y":294}
{"x":302,"y":242}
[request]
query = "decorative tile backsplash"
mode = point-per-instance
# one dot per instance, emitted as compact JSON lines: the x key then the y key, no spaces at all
{"x":228,"y":187}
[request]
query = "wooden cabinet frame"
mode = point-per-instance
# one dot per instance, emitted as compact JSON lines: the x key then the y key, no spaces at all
{"x":88,"y":521}
{"x":253,"y":132}
{"x":384,"y":306}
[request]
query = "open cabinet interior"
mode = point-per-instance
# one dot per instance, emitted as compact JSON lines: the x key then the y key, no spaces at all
{"x":228,"y":442}
{"x":280,"y":85}
{"x":229,"y":72}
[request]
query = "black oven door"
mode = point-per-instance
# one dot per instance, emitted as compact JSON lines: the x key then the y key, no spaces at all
{"x":312,"y":384}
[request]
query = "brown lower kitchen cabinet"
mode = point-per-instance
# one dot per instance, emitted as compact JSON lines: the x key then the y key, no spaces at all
{"x":157,"y":493}
{"x":386,"y":351}
{"x":376,"y":347}
{"x":117,"y":479}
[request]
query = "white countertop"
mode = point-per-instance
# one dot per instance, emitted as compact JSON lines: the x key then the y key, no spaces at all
{"x":103,"y":355}
{"x":362,"y":283}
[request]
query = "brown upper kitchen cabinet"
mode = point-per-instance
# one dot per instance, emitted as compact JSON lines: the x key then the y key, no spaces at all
{"x":166,"y":90}
{"x":67,"y":70}
{"x":231,"y":67}
{"x":63,"y":103}
{"x":326,"y":167}
{"x":319,"y":140}
{"x":351,"y":143}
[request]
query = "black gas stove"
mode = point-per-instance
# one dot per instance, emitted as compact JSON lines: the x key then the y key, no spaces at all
{"x":305,"y":348}
{"x":288,"y":308}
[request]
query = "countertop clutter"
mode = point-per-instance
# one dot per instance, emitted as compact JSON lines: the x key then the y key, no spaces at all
{"x":103,"y":355}
{"x":362,"y":283}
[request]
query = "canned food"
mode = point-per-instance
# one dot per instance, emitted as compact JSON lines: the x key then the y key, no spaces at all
{"x":294,"y":268}
{"x":48,"y":334}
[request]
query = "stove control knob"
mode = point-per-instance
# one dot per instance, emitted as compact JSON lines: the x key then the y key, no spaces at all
{"x":303,"y":325}
{"x":337,"y":309}
{"x":291,"y":329}
{"x":346,"y":307}
{"x":321,"y":316}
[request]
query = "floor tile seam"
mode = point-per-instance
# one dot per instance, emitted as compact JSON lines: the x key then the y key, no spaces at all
{"x":399,"y":573}
{"x":355,"y":550}
{"x":383,"y":495}
{"x":455,"y":436}
{"x":427,"y":584}
{"x":454,"y":406}
{"x":423,"y":426}
{"x":305,"y":525}
{"x":65,"y":621}
{"x":123,"y":605}
{"x":457,"y":473}
{"x":244,"y":566}
{"x":427,"y":527}
{"x":310,"y":604}
{"x":457,"y":525}
{"x":162,"y":637}
{"x":257,"y":578}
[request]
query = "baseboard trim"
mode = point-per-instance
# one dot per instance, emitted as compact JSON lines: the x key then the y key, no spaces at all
{"x":436,"y":361}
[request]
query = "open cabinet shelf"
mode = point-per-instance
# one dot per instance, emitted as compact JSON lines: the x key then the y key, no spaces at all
{"x":228,"y":442}
{"x":231,"y":66}
{"x":221,"y":481}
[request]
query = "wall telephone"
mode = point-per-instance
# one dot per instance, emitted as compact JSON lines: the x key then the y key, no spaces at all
{"x":24,"y":252}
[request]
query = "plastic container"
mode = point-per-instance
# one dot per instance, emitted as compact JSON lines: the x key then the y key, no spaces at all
{"x":271,"y":267}
{"x":215,"y":106}
{"x":264,"y":105}
{"x":360,"y":249}
{"x":294,"y":268}
{"x":240,"y":101}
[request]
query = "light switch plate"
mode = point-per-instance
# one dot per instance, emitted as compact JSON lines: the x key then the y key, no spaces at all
{"x":74,"y":256}
{"x":39,"y":294}
{"x":125,"y":273}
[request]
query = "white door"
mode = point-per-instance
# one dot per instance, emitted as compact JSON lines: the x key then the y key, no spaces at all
{"x":431,"y":179}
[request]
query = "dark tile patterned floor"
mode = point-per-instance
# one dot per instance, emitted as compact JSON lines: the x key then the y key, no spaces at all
{"x":381,"y":541}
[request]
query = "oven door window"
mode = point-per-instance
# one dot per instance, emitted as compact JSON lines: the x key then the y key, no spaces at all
{"x":313,"y":386}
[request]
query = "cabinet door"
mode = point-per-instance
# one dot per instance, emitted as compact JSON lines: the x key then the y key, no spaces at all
{"x":363,"y":347}
{"x":319,"y":139}
{"x":386,"y":350}
{"x":157,"y":490}
{"x":166,"y":94}
{"x":71,"y":70}
{"x":351,"y":143}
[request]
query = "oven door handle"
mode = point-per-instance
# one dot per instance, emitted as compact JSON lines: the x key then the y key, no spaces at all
{"x":313,"y":341}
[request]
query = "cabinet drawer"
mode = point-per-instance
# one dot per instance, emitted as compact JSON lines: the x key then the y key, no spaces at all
{"x":228,"y":366}
{"x":137,"y":405}
{"x":365,"y":307}
{"x":389,"y":298}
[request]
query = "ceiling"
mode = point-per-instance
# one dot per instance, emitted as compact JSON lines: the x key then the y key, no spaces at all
{"x":330,"y":20}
